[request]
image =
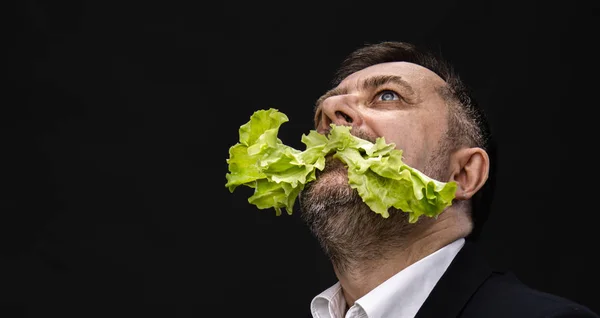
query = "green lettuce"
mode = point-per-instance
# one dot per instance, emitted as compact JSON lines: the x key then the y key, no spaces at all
{"x":278,"y":172}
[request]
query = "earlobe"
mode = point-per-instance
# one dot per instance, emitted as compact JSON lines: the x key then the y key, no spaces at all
{"x":470,"y":171}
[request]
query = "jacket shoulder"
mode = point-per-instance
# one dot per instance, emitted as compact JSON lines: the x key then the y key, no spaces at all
{"x":504,"y":295}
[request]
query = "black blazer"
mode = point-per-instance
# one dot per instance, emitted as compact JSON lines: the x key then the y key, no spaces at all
{"x":470,"y":288}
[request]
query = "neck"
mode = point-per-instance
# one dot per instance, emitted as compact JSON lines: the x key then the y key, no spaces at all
{"x":359,"y":278}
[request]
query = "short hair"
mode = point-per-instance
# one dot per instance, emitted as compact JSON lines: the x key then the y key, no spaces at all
{"x":467,"y":123}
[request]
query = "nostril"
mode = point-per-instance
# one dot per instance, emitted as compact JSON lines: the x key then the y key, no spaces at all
{"x":347,"y":118}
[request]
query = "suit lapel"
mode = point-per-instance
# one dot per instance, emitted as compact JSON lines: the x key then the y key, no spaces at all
{"x":465,"y":274}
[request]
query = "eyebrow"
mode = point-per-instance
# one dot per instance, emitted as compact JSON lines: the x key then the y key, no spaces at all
{"x":368,"y":84}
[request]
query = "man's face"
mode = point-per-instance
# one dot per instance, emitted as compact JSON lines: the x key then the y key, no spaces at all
{"x":398,"y":101}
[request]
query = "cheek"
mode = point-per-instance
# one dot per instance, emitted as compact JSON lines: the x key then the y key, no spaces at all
{"x":408,"y":137}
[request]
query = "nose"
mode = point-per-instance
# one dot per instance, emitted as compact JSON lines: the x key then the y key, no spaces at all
{"x":338,"y":110}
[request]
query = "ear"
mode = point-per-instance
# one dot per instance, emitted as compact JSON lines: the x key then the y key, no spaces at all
{"x":470,"y":168}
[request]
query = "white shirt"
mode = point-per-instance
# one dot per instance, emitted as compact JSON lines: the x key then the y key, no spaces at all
{"x":400,"y":296}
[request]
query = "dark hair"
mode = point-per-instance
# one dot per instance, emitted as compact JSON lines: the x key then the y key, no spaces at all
{"x":468,"y":124}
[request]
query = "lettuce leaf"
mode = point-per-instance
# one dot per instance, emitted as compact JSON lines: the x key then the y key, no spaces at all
{"x":278,"y":172}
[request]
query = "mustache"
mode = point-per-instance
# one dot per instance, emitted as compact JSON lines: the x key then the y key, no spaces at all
{"x":363,"y":135}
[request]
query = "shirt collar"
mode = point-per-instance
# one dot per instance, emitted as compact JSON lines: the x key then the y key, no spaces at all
{"x":329,"y":303}
{"x":402,"y":294}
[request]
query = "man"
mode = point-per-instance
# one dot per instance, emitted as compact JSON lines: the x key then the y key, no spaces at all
{"x":389,"y":267}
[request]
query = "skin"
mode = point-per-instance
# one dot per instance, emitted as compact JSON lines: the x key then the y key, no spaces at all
{"x":414,"y":122}
{"x":412,"y":115}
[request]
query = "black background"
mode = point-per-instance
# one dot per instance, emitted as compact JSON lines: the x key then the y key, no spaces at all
{"x":122,"y":114}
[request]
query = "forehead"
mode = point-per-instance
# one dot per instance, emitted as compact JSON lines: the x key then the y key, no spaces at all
{"x":416,"y":75}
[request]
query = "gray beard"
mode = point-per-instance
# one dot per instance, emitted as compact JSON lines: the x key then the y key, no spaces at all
{"x":348,"y":231}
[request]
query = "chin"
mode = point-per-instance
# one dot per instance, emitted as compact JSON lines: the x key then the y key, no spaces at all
{"x":334,"y":174}
{"x":329,"y":192}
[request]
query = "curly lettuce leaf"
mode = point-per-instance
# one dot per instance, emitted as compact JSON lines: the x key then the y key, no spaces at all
{"x":278,"y":172}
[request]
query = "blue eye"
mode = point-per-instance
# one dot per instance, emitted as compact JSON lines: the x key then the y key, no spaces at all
{"x":388,"y":95}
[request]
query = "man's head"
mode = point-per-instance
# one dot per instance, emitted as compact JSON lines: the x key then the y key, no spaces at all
{"x":412,"y":99}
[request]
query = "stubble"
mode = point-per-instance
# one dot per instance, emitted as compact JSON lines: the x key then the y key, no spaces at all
{"x":348,"y":231}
